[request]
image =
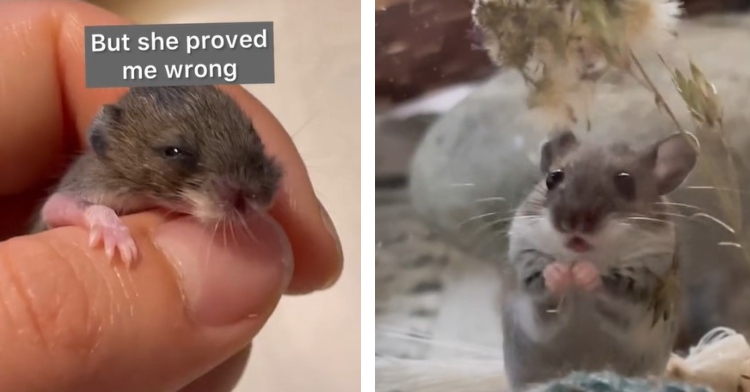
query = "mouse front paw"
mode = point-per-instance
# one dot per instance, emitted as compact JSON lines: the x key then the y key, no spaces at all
{"x":557,"y":277}
{"x":106,"y":228}
{"x":586,"y":276}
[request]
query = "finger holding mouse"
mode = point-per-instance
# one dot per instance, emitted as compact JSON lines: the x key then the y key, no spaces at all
{"x":86,"y":327}
{"x":597,"y":231}
{"x":48,"y":113}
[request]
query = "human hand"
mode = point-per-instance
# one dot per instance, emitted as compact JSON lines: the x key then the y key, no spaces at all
{"x":69,"y":320}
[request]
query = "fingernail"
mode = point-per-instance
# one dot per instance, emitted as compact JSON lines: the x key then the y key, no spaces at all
{"x":331,"y":229}
{"x":228,"y":274}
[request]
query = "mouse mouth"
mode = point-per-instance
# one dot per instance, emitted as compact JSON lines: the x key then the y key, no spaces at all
{"x":579,"y":245}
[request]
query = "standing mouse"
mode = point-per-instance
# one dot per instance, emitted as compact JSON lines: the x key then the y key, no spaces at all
{"x":591,"y":282}
{"x":189,"y":150}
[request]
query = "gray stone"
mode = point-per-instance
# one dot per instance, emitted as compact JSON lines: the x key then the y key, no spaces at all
{"x":395,"y":142}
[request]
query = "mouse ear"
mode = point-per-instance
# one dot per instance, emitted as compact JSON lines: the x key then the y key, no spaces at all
{"x":672,"y":159}
{"x":559,"y":144}
{"x":102,"y":123}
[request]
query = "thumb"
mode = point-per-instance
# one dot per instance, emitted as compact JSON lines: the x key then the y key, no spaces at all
{"x":72,"y":321}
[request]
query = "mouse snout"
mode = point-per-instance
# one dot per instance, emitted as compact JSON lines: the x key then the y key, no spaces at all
{"x":232,"y":197}
{"x":582,"y":220}
{"x":239,"y":201}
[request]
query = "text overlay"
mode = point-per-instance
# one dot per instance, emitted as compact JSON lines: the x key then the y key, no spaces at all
{"x":179,"y":54}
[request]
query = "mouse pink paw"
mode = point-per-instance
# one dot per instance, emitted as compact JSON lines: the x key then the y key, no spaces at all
{"x":586,"y":275}
{"x":106,"y":227}
{"x":557,"y":277}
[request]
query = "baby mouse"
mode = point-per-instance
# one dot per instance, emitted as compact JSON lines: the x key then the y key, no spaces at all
{"x":591,"y":280}
{"x":190,"y":150}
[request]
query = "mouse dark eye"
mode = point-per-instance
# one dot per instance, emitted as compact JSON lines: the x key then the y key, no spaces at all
{"x":171,"y":152}
{"x":180,"y":156}
{"x":625,"y":184}
{"x":554,"y":178}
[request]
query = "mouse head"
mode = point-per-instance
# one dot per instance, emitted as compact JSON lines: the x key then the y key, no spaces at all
{"x":588,"y":190}
{"x":190,"y":149}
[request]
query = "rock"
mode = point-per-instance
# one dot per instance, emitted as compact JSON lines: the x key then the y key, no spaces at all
{"x":395,"y":141}
{"x":485,"y":149}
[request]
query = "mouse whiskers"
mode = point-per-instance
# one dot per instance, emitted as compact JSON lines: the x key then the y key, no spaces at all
{"x":674,"y":214}
{"x":475,"y":217}
{"x":646,"y":218}
{"x":729,"y":243}
{"x":224,"y":230}
{"x":673,"y":204}
{"x":211,"y":242}
{"x":715,"y":220}
{"x":714,"y":188}
{"x":706,"y":216}
{"x":231,"y":231}
{"x":489,"y":199}
{"x":491,"y":224}
{"x":559,"y":306}
{"x":247,"y":229}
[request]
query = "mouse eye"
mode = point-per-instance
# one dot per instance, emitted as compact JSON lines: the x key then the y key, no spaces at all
{"x":177,"y":156}
{"x":554,"y":178}
{"x":171,"y":152}
{"x":625,"y":184}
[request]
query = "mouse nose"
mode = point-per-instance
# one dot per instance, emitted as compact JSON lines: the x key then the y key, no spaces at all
{"x":233,"y":197}
{"x":583,"y":220}
{"x":239,"y":201}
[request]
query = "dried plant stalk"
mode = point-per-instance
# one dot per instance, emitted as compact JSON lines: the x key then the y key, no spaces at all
{"x":703,"y":103}
{"x":562,"y":47}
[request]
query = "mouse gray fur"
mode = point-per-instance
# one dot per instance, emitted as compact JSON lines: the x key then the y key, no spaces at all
{"x":187,"y":149}
{"x":591,"y":281}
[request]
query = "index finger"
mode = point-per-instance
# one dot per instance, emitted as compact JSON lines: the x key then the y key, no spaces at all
{"x":45,"y":110}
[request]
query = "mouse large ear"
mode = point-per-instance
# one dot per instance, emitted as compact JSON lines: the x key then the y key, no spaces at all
{"x":559,"y":144}
{"x":102,"y":124}
{"x":672,"y":159}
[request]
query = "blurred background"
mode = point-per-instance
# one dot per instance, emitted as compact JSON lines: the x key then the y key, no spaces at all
{"x":311,"y":342}
{"x":454,"y":157}
{"x":422,"y":45}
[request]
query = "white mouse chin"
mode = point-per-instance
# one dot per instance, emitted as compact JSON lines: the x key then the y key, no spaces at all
{"x":203,"y":206}
{"x":208,"y":209}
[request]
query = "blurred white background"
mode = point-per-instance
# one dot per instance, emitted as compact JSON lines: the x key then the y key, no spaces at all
{"x":311,"y":343}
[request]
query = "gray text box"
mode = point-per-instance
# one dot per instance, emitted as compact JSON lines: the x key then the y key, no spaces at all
{"x":179,"y":54}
